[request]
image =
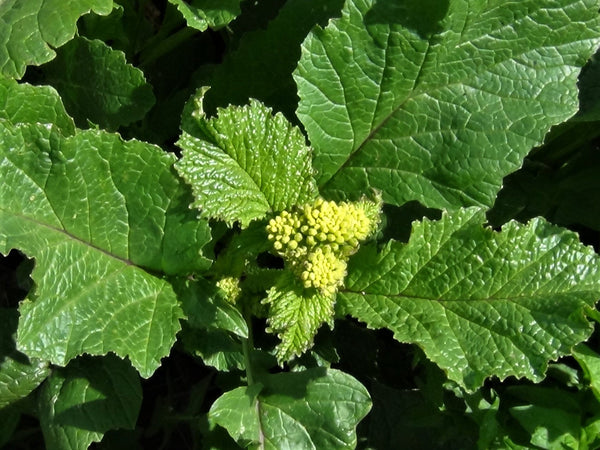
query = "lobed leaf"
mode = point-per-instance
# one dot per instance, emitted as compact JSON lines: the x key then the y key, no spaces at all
{"x":480,"y":303}
{"x":91,"y":396}
{"x":97,"y":85}
{"x":438,"y":101}
{"x":96,"y":213}
{"x":313,"y":409}
{"x":31,"y":29}
{"x":243,"y":163}
{"x":24,"y":103}
{"x":295,"y":315}
{"x":202,"y":14}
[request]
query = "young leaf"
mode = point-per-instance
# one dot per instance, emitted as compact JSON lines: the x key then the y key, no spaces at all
{"x":314,"y":409}
{"x":90,"y":396}
{"x":93,"y":210}
{"x":201,"y":14}
{"x":438,"y":101}
{"x":296,"y":315}
{"x":243,"y":163}
{"x":18,"y":375}
{"x":479,"y":302}
{"x":23,"y":103}
{"x":98,"y":85}
{"x":29,"y":30}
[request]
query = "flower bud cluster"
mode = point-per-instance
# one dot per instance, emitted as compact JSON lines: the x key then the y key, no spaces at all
{"x":317,"y":239}
{"x":231,"y":287}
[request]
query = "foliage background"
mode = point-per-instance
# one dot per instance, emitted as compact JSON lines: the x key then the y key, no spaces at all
{"x":131,"y":65}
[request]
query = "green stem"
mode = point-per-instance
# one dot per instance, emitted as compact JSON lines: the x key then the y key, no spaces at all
{"x":151,"y":54}
{"x":247,"y":345}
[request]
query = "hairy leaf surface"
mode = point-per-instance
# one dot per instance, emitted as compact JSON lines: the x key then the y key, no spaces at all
{"x":98,"y":85}
{"x":89,"y":397}
{"x":313,"y":409}
{"x":438,"y":101}
{"x":243,"y":163}
{"x":479,"y":302}
{"x":296,"y":315}
{"x":93,"y":211}
{"x":31,"y":29}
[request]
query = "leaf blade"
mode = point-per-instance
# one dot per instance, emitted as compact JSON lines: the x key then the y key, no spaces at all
{"x":438,"y":113}
{"x":479,"y":303}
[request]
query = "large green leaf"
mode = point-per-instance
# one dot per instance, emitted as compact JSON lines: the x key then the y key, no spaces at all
{"x":18,"y":375}
{"x":437,"y":101}
{"x":479,"y":302}
{"x":30,"y":29}
{"x":96,"y":84}
{"x":202,"y":14}
{"x":97,"y":214}
{"x":314,"y":409}
{"x":243,"y":163}
{"x":78,"y":404}
{"x":23,"y":103}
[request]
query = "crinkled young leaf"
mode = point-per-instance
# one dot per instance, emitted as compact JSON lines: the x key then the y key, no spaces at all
{"x":31,"y":29}
{"x":243,"y":163}
{"x":89,"y":397}
{"x":96,"y":84}
{"x":202,"y":14}
{"x":313,"y":409}
{"x":438,"y":101}
{"x":18,"y":374}
{"x":24,"y":103}
{"x":479,"y":302}
{"x":295,"y":315}
{"x":95,"y":211}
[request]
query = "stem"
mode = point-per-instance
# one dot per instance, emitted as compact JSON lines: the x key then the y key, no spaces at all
{"x":153,"y":53}
{"x":247,"y":345}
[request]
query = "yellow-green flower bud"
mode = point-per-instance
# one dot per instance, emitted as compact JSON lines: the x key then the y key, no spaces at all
{"x":231,"y":287}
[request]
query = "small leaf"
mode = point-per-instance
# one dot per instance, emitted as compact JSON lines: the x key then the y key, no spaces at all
{"x":589,"y":361}
{"x":98,"y":85}
{"x":480,"y":303}
{"x":29,"y":30}
{"x":316,"y":409}
{"x":18,"y":375}
{"x":89,"y":397}
{"x":23,"y":103}
{"x":295,"y":315}
{"x":93,"y":211}
{"x":202,"y":14}
{"x":205,"y":307}
{"x":437,"y":101}
{"x":244,"y":163}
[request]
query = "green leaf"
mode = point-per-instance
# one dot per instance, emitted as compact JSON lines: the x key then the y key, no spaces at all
{"x":314,"y":409}
{"x":589,"y":361}
{"x":202,"y":14}
{"x":295,"y":315}
{"x":216,"y":347}
{"x":96,"y":213}
{"x":18,"y":375}
{"x":23,"y":103}
{"x":90,"y":396}
{"x":31,"y":29}
{"x":479,"y":302}
{"x":438,"y":101}
{"x":549,"y":428}
{"x":261,"y":66}
{"x":98,"y":85}
{"x":205,"y":307}
{"x":244,"y":163}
